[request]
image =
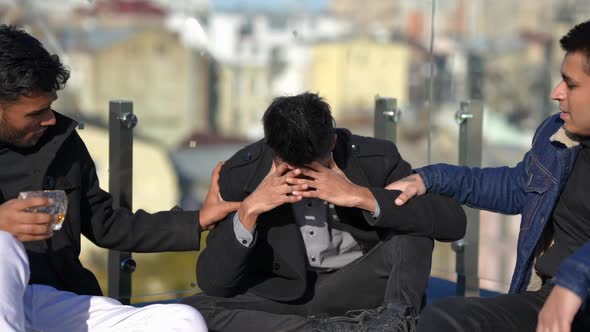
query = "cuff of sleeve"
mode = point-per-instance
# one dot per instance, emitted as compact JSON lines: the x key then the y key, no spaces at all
{"x":573,"y":277}
{"x":190,"y":237}
{"x":423,"y":172}
{"x":377,"y":212}
{"x":373,"y":217}
{"x":244,"y":236}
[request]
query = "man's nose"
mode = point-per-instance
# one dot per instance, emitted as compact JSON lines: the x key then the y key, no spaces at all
{"x":49,"y":119}
{"x":558,"y":92}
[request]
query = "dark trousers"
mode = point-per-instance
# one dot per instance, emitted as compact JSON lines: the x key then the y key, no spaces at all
{"x":394,"y":273}
{"x":510,"y":313}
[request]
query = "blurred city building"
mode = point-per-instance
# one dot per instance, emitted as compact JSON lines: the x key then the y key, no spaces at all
{"x":261,"y":56}
{"x":149,"y":66}
{"x":350,"y":73}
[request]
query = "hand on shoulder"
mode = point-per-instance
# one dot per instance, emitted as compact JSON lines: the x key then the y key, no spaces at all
{"x":409,"y":186}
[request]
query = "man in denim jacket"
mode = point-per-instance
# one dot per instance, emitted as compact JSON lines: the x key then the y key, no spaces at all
{"x":549,"y":187}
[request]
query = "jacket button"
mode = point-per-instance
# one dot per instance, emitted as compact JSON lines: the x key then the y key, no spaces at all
{"x":276,"y":266}
{"x":247,"y":156}
{"x":355,"y":148}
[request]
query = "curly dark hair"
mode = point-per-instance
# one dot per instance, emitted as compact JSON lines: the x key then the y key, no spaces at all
{"x":26,"y":66}
{"x":299,"y":129}
{"x":578,"y":40}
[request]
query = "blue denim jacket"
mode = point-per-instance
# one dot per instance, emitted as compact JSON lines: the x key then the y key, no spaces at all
{"x":531,"y":188}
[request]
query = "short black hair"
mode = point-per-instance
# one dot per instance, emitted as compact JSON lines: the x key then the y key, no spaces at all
{"x":578,"y":40}
{"x":299,"y":129}
{"x":26,"y":66}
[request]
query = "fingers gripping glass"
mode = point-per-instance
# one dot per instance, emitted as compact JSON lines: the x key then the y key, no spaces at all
{"x":59,"y":206}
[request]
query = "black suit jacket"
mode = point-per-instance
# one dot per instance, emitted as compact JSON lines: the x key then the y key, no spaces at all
{"x":275,"y":266}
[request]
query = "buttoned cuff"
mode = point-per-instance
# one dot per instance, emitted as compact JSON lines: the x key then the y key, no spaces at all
{"x":371,"y":217}
{"x":244,"y":236}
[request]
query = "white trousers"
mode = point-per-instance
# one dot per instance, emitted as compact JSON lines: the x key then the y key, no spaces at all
{"x":43,"y":308}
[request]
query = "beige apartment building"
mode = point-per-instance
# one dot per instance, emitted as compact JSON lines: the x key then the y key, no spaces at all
{"x":350,"y":73}
{"x":167,"y":81}
{"x":244,"y":92}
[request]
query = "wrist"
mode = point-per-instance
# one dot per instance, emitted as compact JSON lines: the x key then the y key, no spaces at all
{"x":248,"y":215}
{"x":365,"y":199}
{"x":204,"y":221}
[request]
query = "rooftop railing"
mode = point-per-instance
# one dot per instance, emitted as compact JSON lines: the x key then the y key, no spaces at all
{"x":469,"y":118}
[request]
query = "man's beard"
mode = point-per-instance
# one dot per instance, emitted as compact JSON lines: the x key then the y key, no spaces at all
{"x":12,"y":136}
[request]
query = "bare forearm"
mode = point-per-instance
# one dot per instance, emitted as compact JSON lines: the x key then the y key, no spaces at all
{"x":248,"y":215}
{"x":365,"y":199}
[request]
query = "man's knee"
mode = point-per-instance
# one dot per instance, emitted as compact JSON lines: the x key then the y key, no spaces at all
{"x":409,"y":253}
{"x":439,"y":316}
{"x":13,"y":253}
{"x":408,"y":244}
{"x":181,"y":317}
{"x":203,"y":303}
{"x":9,"y":244}
{"x":404,"y":240}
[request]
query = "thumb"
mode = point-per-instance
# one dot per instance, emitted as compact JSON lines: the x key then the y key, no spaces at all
{"x":400,"y":200}
{"x":404,"y":197}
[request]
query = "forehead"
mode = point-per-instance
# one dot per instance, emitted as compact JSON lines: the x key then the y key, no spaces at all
{"x":34,"y":101}
{"x":576,"y":65}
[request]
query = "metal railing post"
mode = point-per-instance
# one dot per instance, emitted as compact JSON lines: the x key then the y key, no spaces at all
{"x":121,"y":123}
{"x":470,"y":120}
{"x":387,"y":115}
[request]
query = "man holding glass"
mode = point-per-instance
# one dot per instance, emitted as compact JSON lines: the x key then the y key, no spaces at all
{"x":43,"y":285}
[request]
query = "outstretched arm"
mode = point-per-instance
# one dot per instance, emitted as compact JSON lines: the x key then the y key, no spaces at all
{"x":409,"y":187}
{"x":215,"y":208}
{"x":500,"y":189}
{"x":435,"y":216}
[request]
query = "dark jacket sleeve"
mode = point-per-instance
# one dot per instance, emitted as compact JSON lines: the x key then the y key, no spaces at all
{"x":222,"y":264}
{"x":120,"y":229}
{"x":435,"y":216}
